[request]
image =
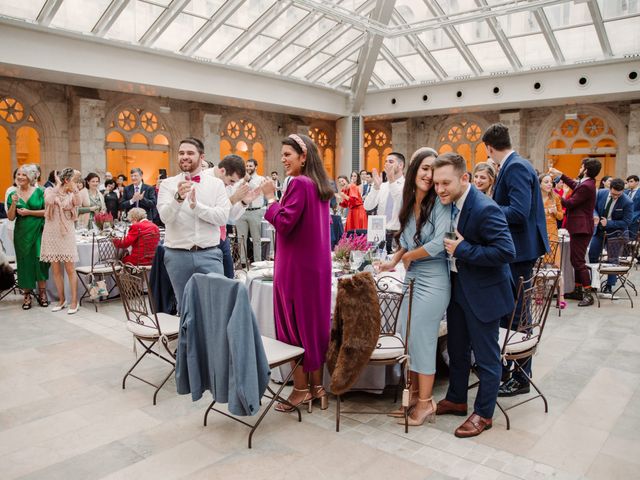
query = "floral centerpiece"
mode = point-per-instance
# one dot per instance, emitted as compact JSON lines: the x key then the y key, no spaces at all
{"x":103,"y":220}
{"x":347,"y":244}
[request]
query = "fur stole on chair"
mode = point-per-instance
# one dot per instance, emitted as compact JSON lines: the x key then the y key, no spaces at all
{"x":354,"y":331}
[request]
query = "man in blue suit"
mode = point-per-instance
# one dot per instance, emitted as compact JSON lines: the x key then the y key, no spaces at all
{"x":480,"y":292}
{"x":634,"y":195}
{"x":139,"y":194}
{"x":613,"y":215}
{"x":517,"y":192}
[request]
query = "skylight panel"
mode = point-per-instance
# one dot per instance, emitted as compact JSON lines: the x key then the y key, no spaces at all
{"x":179,"y":31}
{"x":624,"y":35}
{"x":452,"y":62}
{"x":79,"y":15}
{"x":491,"y":57}
{"x":532,"y":50}
{"x":579,"y":43}
{"x":248,"y":54}
{"x":134,"y":21}
{"x":220,"y":40}
{"x":21,"y":9}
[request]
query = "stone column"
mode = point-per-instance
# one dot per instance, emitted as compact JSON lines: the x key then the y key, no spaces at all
{"x":400,"y":138}
{"x":349,"y":154}
{"x":87,"y":136}
{"x":633,"y":143}
{"x":211,"y":136}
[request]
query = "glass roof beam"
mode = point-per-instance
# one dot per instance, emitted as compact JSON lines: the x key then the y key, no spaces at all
{"x":209,"y":28}
{"x":598,"y":23}
{"x":343,"y":76}
{"x":396,"y":65}
{"x":48,"y":11}
{"x":502,"y":39}
{"x":332,"y":62}
{"x":109,"y":17}
{"x":255,"y":29}
{"x":547,"y":32}
{"x":161,"y":23}
{"x":455,"y":37}
{"x":369,"y":55}
{"x":342,"y":15}
{"x":422,"y":50}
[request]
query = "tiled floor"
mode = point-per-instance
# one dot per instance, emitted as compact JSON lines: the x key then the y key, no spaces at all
{"x":64,"y":415}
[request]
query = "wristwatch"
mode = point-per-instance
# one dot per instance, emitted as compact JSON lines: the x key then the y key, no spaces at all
{"x":178,"y":198}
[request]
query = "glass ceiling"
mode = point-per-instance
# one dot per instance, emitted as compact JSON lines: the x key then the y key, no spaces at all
{"x":328,"y":42}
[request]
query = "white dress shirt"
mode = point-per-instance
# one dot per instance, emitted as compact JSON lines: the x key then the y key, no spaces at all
{"x":255,"y":181}
{"x":237,"y":209}
{"x":378,"y":198}
{"x":454,"y":221}
{"x":186,"y":226}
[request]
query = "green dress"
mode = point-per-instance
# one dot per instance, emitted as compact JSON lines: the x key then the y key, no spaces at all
{"x":26,"y":239}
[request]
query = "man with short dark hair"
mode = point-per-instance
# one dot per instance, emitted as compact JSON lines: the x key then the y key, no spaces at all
{"x":579,"y":223}
{"x":387,"y":197}
{"x":612,"y":215}
{"x":633,"y":192}
{"x":480,"y":292}
{"x":276,"y":181}
{"x":517,"y":192}
{"x":138,"y":194}
{"x":248,"y":225}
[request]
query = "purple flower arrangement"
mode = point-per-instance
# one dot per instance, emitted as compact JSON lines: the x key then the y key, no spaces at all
{"x":347,"y":244}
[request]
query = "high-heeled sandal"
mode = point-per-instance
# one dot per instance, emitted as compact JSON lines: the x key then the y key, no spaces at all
{"x":42,"y":299}
{"x":319,"y":393}
{"x":399,"y":412}
{"x":428,"y":415}
{"x":26,"y":304}
{"x":290,"y":407}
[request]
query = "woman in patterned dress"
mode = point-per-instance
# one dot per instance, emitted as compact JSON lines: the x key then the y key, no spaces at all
{"x":59,"y":235}
{"x":92,"y":201}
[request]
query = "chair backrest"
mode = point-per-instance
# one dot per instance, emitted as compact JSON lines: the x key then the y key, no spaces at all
{"x":549,"y":259}
{"x":530,"y":313}
{"x":616,"y":247}
{"x":138,"y":307}
{"x":107,"y":253}
{"x":391,"y":293}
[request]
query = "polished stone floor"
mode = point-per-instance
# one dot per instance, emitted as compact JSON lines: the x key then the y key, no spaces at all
{"x":64,"y":415}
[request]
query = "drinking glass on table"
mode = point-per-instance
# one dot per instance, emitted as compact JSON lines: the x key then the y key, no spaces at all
{"x":379,"y":256}
{"x":356,"y":258}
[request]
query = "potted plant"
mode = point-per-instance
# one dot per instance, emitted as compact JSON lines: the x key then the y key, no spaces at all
{"x":103,"y":220}
{"x":346,"y":245}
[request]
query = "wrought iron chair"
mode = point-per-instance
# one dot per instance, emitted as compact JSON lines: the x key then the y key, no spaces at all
{"x":550,"y":262}
{"x":104,"y":255}
{"x":520,"y":340}
{"x":618,"y":257}
{"x":392,"y":348}
{"x":148,"y":327}
{"x":238,"y":250}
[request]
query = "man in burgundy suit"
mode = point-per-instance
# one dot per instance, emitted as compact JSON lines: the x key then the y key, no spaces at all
{"x":143,"y":238}
{"x":579,"y":223}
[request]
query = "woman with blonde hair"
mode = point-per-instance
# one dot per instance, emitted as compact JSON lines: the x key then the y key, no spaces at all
{"x":59,"y":235}
{"x":553,"y":213}
{"x":26,"y":207}
{"x":484,"y":177}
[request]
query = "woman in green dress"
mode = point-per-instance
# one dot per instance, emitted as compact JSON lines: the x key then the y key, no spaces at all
{"x":26,"y":206}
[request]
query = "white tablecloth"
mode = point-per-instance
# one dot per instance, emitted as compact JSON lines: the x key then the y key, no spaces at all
{"x":6,"y":240}
{"x":568,"y":276}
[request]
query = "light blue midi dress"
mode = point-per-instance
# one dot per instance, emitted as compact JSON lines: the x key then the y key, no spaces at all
{"x":432,"y":287}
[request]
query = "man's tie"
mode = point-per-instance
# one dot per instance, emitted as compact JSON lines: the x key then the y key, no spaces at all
{"x":136,"y":189}
{"x":454,"y":214}
{"x":608,"y":207}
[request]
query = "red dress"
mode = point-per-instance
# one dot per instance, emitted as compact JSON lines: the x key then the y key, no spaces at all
{"x":357,"y":216}
{"x":143,"y":238}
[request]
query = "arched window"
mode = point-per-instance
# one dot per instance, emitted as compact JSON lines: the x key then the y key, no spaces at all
{"x":19,"y":139}
{"x":137,"y":138}
{"x":243,"y":138}
{"x":325,"y":147}
{"x":377,"y":145}
{"x":465,"y":139}
{"x":577,"y":138}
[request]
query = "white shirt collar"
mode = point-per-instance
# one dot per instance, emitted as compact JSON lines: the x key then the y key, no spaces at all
{"x":504,"y":159}
{"x":460,"y":202}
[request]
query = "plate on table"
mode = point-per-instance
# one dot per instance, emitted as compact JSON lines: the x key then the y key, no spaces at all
{"x":262,"y":264}
{"x":267,"y":275}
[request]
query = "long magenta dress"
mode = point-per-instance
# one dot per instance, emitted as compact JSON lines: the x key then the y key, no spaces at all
{"x":302,"y":275}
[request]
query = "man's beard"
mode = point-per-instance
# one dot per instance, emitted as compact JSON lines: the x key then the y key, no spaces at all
{"x":581,"y":175}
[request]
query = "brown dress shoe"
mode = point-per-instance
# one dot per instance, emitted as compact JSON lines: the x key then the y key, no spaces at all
{"x":473,"y":426}
{"x":445,"y":407}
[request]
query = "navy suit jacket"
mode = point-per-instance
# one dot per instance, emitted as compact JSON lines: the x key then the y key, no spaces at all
{"x":636,"y":206}
{"x":621,"y":215}
{"x":483,"y":258}
{"x":517,"y":191}
{"x":148,"y":203}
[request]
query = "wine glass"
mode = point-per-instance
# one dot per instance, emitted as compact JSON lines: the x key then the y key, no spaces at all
{"x":379,"y":256}
{"x":356,"y":258}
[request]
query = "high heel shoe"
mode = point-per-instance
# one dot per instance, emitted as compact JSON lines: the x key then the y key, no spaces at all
{"x":399,"y":412}
{"x":26,"y":304}
{"x":42,"y":299}
{"x":57,"y":308}
{"x":421,"y":415}
{"x":290,"y":407}
{"x":71,"y":311}
{"x":319,"y":393}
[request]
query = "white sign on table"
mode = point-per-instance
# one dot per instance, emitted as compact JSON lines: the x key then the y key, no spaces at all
{"x":376,"y":228}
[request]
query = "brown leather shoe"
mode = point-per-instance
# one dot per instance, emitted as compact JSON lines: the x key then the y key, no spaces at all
{"x":473,"y":426}
{"x":445,"y":407}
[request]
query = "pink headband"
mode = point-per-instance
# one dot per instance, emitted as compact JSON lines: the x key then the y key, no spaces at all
{"x":299,"y":141}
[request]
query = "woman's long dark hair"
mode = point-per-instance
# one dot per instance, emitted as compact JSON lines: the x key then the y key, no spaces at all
{"x":313,"y":167}
{"x":358,"y":181}
{"x":90,"y":177}
{"x":409,"y":197}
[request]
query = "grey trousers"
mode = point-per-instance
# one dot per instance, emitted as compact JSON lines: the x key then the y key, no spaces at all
{"x":248,"y":225}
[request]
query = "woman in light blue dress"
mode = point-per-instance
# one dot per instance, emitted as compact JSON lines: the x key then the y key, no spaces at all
{"x":423,"y":255}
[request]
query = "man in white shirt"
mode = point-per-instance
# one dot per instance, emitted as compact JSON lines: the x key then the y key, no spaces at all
{"x":387,"y":196}
{"x":248,"y":225}
{"x":231,"y":171}
{"x":193,"y":207}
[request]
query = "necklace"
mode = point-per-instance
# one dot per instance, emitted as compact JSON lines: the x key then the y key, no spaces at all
{"x":21,"y":195}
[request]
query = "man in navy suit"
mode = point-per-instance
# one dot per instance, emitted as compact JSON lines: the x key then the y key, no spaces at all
{"x":612,"y":215}
{"x":517,"y":192}
{"x":139,"y":194}
{"x":481,"y":292}
{"x":634,"y":195}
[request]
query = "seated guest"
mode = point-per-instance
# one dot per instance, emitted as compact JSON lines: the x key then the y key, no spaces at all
{"x":143,"y":238}
{"x":484,"y":176}
{"x":613,"y":215}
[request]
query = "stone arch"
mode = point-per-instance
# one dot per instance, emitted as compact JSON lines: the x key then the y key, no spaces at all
{"x":556,"y":118}
{"x":463,"y":121}
{"x":262,"y":133}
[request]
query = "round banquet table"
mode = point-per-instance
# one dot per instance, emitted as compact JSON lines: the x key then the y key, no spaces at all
{"x":6,"y":239}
